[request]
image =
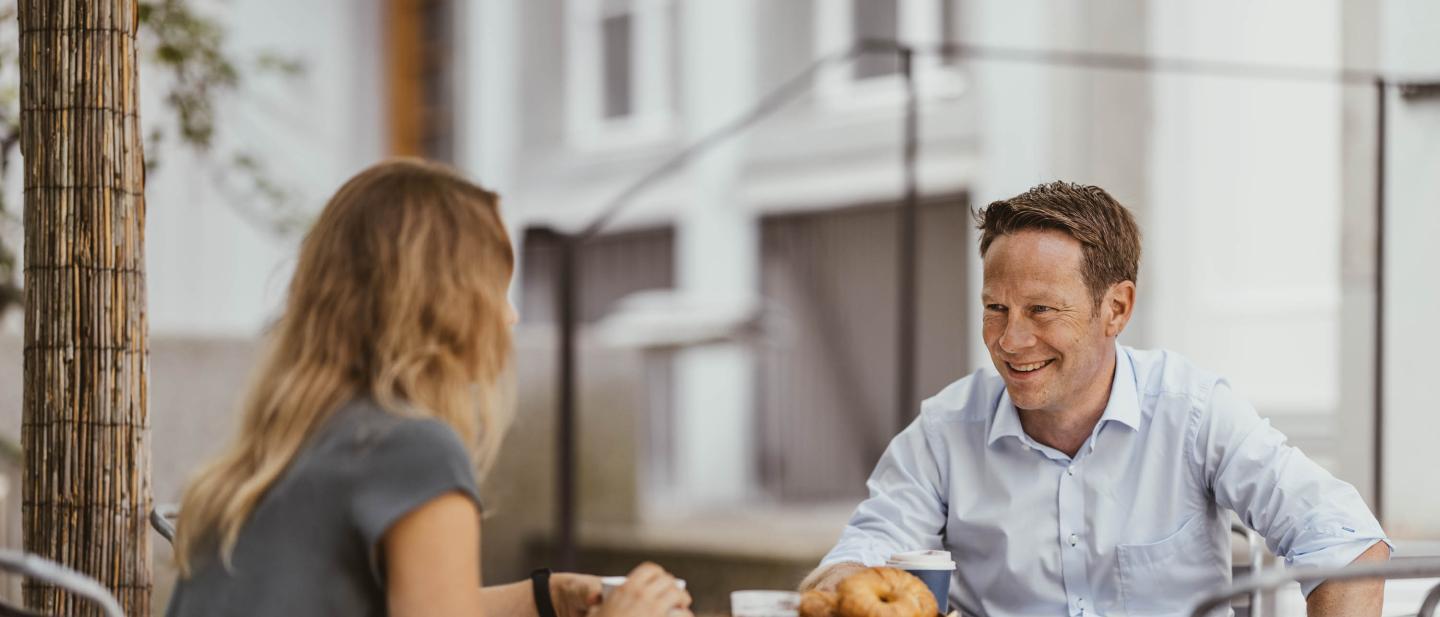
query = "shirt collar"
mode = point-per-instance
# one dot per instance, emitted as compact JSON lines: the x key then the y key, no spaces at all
{"x":1123,"y":406}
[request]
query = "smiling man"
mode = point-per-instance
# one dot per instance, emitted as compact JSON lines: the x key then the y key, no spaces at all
{"x":1079,"y":477}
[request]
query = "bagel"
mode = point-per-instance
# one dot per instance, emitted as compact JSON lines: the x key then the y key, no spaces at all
{"x":816,"y":603}
{"x":885,"y":592}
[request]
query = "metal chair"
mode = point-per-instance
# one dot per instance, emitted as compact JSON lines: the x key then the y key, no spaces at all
{"x":162,"y":518}
{"x":1401,"y":568}
{"x":39,"y":568}
{"x":1256,"y":546}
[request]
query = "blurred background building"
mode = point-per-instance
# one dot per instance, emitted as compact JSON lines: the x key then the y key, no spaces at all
{"x":737,"y":348}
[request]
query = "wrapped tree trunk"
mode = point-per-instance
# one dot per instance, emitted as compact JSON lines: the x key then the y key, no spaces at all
{"x":86,"y":421}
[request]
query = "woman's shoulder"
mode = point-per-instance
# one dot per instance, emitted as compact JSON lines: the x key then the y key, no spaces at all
{"x":396,"y":462}
{"x":388,"y":454}
{"x":364,"y":426}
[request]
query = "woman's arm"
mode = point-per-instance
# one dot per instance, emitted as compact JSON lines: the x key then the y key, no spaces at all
{"x":572,"y":595}
{"x":432,"y":560}
{"x":509,"y":599}
{"x":432,"y":564}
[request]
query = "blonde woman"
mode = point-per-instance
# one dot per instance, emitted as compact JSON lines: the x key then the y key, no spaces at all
{"x":350,"y":488}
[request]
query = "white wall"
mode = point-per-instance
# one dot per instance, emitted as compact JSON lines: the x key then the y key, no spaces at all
{"x":716,"y":255}
{"x":1410,"y":44}
{"x":1243,"y":251}
{"x":210,"y":271}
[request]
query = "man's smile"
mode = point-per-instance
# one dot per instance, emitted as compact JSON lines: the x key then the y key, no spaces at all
{"x":1028,"y":367}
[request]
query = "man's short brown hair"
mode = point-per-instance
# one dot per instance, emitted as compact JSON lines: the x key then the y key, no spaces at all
{"x":1105,"y":229}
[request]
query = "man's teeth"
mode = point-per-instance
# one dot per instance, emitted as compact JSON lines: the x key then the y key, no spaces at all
{"x":1026,"y":368}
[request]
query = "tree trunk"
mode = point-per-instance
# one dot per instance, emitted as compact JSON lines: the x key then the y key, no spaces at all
{"x":86,"y":420}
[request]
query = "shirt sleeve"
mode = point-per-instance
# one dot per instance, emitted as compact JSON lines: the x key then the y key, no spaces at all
{"x":416,"y":462}
{"x":1307,"y":516}
{"x":905,"y":510}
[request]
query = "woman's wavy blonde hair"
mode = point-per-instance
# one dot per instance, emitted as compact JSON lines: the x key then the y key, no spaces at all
{"x":399,"y":294}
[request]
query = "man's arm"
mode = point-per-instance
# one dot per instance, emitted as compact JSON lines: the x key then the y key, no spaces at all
{"x":905,"y":511}
{"x":1359,"y":597}
{"x":1307,"y":516}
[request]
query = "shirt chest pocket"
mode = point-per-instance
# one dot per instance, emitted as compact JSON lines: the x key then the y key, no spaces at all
{"x":1168,"y":576}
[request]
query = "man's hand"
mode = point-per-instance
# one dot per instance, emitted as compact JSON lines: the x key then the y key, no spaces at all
{"x":826,"y":578}
{"x":574,"y":594}
{"x":1361,"y":597}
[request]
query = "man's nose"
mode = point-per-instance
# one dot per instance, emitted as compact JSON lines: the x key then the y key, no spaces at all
{"x":1018,"y":334}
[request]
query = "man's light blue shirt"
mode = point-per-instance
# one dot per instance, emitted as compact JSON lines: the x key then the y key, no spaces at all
{"x":1135,"y":524}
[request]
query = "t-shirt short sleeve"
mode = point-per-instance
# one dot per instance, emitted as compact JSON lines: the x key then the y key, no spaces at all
{"x":412,"y":463}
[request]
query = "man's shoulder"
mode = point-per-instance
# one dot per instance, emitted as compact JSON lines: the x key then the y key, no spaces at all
{"x":970,"y":398}
{"x":1162,"y":373}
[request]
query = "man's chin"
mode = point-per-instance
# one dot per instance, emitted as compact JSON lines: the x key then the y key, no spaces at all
{"x":1025,"y":397}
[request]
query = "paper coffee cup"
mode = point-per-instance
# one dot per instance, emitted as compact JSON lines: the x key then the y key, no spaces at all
{"x":764,"y":603}
{"x":608,"y":585}
{"x":934,"y":568}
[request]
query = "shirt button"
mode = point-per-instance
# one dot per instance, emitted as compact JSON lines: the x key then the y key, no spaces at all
{"x":1070,"y":470}
{"x":1074,"y":539}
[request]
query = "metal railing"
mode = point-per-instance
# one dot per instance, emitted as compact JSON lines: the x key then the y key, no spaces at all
{"x":1402,"y":568}
{"x":39,"y":568}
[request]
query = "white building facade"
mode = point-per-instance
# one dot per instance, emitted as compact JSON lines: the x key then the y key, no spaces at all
{"x":1255,"y":193}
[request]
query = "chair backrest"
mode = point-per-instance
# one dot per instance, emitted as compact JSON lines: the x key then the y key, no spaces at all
{"x":1432,"y":600}
{"x":1403,"y":568}
{"x":39,"y":568}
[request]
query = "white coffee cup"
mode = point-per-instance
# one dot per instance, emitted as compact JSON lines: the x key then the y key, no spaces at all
{"x":764,"y":603}
{"x":608,"y":585}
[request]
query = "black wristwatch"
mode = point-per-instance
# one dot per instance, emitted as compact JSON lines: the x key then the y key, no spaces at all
{"x":540,"y":586}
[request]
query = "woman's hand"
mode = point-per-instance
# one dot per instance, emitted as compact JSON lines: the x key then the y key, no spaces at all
{"x":573,"y":594}
{"x":649,"y":591}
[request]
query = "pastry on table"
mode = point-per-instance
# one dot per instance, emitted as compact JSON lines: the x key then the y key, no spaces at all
{"x":873,"y":592}
{"x":819,"y":603}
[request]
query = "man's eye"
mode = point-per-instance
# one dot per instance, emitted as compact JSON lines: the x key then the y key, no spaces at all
{"x":999,"y":308}
{"x":1041,"y":309}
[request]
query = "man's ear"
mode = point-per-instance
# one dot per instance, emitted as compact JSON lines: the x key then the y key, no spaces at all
{"x":1118,"y":306}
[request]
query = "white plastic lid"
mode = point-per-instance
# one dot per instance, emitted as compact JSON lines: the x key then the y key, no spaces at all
{"x":922,"y":560}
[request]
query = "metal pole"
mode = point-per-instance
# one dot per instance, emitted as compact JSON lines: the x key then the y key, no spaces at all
{"x":566,"y":277}
{"x":1378,"y":437}
{"x":907,"y":252}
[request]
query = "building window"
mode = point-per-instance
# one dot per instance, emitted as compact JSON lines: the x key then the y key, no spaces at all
{"x":876,"y":20}
{"x":826,"y":364}
{"x":419,"y":78}
{"x":874,"y":78}
{"x":615,"y":265}
{"x":618,"y":71}
{"x":618,"y":82}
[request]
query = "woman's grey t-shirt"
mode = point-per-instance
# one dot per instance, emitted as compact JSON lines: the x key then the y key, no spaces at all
{"x":312,"y":545}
